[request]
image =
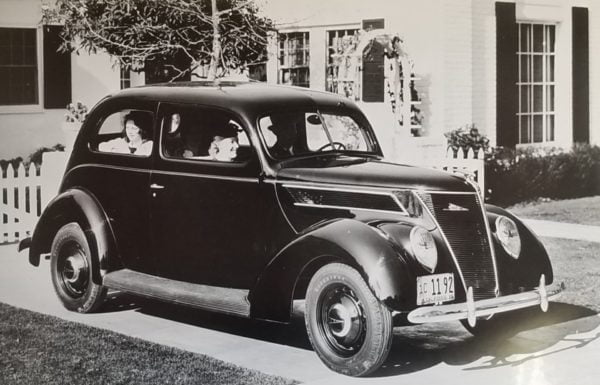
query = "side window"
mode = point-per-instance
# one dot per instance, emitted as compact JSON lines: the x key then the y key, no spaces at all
{"x":194,"y":133}
{"x":126,"y":132}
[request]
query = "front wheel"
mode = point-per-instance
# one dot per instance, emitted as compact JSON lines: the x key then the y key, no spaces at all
{"x":71,"y":270}
{"x":349,"y":329}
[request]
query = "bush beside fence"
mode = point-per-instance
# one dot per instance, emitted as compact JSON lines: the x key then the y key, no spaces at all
{"x":514,"y":176}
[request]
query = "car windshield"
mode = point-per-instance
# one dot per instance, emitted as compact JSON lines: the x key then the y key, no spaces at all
{"x":288,"y":134}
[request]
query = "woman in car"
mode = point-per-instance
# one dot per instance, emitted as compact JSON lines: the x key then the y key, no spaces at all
{"x":134,"y":139}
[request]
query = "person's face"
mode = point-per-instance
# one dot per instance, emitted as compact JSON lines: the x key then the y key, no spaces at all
{"x":133,"y":132}
{"x":227,"y":149}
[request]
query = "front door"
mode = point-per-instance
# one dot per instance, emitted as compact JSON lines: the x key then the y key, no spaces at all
{"x":205,"y":199}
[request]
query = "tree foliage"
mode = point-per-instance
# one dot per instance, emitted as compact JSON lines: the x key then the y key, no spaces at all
{"x":181,"y":34}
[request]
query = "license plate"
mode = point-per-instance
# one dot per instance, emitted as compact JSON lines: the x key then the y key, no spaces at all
{"x":435,"y":288}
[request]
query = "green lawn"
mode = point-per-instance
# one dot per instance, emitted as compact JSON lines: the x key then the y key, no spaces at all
{"x":585,"y":211}
{"x":41,"y":349}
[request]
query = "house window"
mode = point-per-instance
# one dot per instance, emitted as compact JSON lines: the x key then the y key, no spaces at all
{"x":125,"y":78}
{"x":536,"y":82}
{"x":18,"y":66}
{"x":294,"y":59}
{"x":338,"y":79}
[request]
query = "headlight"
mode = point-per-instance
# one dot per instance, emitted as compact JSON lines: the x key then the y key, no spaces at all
{"x":508,"y":235}
{"x":424,"y":248}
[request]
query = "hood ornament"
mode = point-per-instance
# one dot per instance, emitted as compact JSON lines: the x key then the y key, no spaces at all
{"x":453,"y":207}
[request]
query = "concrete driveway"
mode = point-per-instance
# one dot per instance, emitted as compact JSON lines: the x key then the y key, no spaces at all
{"x":559,"y":347}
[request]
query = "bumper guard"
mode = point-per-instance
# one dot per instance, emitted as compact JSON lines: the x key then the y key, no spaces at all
{"x":471,"y":309}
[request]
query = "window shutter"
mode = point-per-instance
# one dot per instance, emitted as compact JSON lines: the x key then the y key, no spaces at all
{"x":507,"y":72}
{"x":581,"y":76}
{"x":373,"y":73}
{"x":57,"y":70}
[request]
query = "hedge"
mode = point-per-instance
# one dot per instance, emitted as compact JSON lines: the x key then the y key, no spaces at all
{"x":514,"y":176}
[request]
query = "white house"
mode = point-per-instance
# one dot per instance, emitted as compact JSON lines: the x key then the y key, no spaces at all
{"x":524,"y":72}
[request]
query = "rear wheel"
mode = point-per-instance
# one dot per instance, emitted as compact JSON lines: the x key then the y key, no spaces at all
{"x":349,"y":329}
{"x":71,"y":270}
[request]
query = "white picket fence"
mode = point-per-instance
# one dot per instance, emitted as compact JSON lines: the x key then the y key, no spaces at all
{"x":20,"y":204}
{"x":25,"y":192}
{"x":466,"y":163}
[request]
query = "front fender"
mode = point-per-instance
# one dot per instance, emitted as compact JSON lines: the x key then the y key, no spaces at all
{"x":344,"y":240}
{"x":75,"y":205}
{"x":533,"y":260}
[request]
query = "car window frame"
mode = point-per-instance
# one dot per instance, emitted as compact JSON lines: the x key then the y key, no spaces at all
{"x":355,"y":115}
{"x":92,"y":143}
{"x":244,"y":164}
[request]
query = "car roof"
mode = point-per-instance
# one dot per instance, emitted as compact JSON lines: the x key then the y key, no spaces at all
{"x":247,"y":98}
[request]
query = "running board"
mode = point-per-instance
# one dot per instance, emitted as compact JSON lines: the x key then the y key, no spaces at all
{"x":213,"y":298}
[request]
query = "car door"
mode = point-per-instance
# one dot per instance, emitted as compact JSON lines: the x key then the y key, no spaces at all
{"x":206,"y":222}
{"x":119,"y":178}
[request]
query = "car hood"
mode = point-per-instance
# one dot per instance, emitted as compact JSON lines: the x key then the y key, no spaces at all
{"x":369,"y":173}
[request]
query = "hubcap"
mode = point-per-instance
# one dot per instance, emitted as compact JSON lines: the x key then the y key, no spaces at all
{"x":342,"y":320}
{"x":73,"y":270}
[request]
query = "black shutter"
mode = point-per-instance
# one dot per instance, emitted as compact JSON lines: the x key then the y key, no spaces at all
{"x":507,"y":72}
{"x":57,"y":70}
{"x":373,"y":73}
{"x":581,"y":76}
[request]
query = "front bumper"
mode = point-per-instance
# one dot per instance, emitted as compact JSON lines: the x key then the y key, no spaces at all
{"x":471,"y":309}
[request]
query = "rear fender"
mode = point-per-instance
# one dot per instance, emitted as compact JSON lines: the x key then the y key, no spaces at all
{"x":347,"y":241}
{"x":75,"y":205}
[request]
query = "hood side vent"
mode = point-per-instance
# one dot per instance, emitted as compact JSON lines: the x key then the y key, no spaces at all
{"x":345,"y":199}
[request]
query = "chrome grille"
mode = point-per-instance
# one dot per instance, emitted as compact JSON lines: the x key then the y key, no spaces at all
{"x":461,"y":220}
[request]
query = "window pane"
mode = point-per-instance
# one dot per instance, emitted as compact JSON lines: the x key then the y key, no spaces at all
{"x":550,"y":38}
{"x":525,"y":137}
{"x":4,"y":36}
{"x":538,"y":131}
{"x":525,"y":36}
{"x":550,"y":98}
{"x":4,"y":54}
{"x":538,"y":68}
{"x":538,"y":98}
{"x":549,"y":127}
{"x":29,"y":85}
{"x":549,"y":68}
{"x":345,"y":130}
{"x":525,"y":99}
{"x":16,"y":53}
{"x":525,"y":68}
{"x":538,"y":38}
{"x":4,"y":78}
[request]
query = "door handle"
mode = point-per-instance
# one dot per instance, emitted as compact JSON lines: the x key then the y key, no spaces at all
{"x":155,"y":186}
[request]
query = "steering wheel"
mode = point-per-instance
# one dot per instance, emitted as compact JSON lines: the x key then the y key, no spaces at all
{"x":333,"y":145}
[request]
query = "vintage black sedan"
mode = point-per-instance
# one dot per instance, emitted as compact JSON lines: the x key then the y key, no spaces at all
{"x":242,"y":197}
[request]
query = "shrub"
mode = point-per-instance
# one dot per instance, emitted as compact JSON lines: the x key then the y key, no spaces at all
{"x":466,"y":138}
{"x":514,"y":176}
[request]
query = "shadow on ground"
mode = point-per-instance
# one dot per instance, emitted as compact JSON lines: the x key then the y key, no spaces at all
{"x":419,"y":347}
{"x":414,"y":348}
